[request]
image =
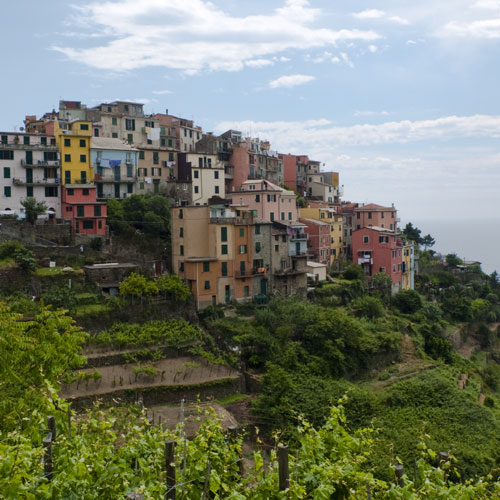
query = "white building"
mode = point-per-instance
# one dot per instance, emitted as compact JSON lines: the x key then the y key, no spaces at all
{"x":29,"y":167}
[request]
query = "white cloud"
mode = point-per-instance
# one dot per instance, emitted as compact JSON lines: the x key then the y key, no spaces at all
{"x":369,"y":14}
{"x":259,"y":63}
{"x":162,"y":92}
{"x":379,"y":14}
{"x":485,"y":28}
{"x":370,"y":113}
{"x":486,"y":4}
{"x":372,"y":48}
{"x":290,"y":81}
{"x":346,"y":59}
{"x":315,"y":134}
{"x":196,"y":35}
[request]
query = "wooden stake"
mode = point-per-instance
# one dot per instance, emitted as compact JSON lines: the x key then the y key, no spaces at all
{"x":206,"y":487}
{"x":47,"y":457}
{"x":170,"y":466}
{"x":51,"y":424}
{"x":284,"y":475}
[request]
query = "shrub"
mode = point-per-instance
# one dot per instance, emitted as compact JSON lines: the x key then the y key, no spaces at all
{"x":354,"y":272}
{"x":408,"y":301}
{"x":25,"y":259}
{"x":136,"y":285}
{"x":96,"y":244}
{"x":173,"y":286}
{"x":369,"y":307}
{"x":9,"y":248}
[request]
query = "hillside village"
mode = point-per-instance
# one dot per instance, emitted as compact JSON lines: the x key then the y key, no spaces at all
{"x":192,"y":316}
{"x":247,"y":222}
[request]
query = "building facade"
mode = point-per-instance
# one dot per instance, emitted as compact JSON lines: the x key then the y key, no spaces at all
{"x":29,"y":168}
{"x":379,"y":250}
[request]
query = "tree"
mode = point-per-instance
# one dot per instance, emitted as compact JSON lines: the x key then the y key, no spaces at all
{"x":428,"y":241}
{"x":33,"y":208}
{"x":453,"y":260}
{"x":354,"y":272}
{"x":369,"y":307}
{"x":136,"y":285}
{"x":408,"y":301}
{"x":412,"y":233}
{"x":173,"y":286}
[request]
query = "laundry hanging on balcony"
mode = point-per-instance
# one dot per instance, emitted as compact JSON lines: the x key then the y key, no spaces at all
{"x":115,"y":163}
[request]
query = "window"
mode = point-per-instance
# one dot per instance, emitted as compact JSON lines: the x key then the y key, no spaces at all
{"x":130,"y":138}
{"x":129,"y":124}
{"x":181,"y":249}
{"x":130,"y":188}
{"x":181,"y":213}
{"x":289,"y":215}
{"x":67,"y":142}
{"x":191,"y":133}
{"x":114,"y":135}
{"x":181,"y":232}
{"x":96,"y":132}
{"x":216,"y":189}
{"x":358,"y":215}
{"x":51,"y":192}
{"x":5,"y":139}
{"x":141,"y":185}
{"x":257,"y":246}
{"x":6,"y":172}
{"x":88,"y":224}
{"x":26,"y":139}
{"x":83,"y":143}
{"x":181,"y":267}
{"x":394,"y":268}
{"x":282,"y":215}
{"x":126,"y":107}
{"x":185,"y":133}
{"x":99,"y":224}
{"x":71,"y":192}
{"x":80,"y":211}
{"x":257,"y":198}
{"x":246,"y":291}
{"x":382,"y":270}
{"x":67,"y":158}
{"x":109,"y":109}
{"x":129,"y":170}
{"x":7,"y":191}
{"x":97,"y":210}
{"x":366,"y":239}
{"x":170,"y":155}
{"x":6,"y":155}
{"x":369,"y":215}
{"x":196,"y":189}
{"x":223,"y":233}
{"x":207,"y":285}
{"x":141,"y":155}
{"x":224,"y":268}
{"x":83,"y":158}
{"x":85,"y":126}
{"x":242,"y":232}
{"x":156,"y":157}
{"x":114,"y":121}
{"x":216,"y":174}
{"x":276,"y":248}
{"x":322,"y":216}
{"x":271,"y":216}
{"x":85,"y":192}
{"x":243,"y":249}
{"x":382,"y":215}
{"x":29,"y":191}
{"x":196,"y":174}
{"x":224,"y":250}
{"x":43,"y":141}
{"x":67,"y":177}
{"x":257,"y":229}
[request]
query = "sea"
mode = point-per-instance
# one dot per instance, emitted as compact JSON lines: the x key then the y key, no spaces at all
{"x":477,"y":239}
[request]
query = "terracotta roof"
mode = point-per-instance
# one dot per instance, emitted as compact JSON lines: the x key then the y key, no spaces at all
{"x":374,"y":206}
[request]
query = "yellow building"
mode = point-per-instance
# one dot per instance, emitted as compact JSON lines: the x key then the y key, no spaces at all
{"x":329,"y":215}
{"x":74,"y":141}
{"x":408,"y":266}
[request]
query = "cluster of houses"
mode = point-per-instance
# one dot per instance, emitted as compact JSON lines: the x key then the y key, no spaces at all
{"x":247,"y":221}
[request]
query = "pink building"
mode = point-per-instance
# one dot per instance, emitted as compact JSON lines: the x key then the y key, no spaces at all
{"x":289,"y":170}
{"x":240,"y":161}
{"x":378,"y":250}
{"x":318,"y":239}
{"x":375,"y":215}
{"x":270,"y":202}
{"x":79,"y":205}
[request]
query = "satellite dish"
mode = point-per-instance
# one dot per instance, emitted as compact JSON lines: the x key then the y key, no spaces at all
{"x":21,"y":129}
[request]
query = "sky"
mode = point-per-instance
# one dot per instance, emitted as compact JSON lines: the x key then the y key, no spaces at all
{"x":400,"y":97}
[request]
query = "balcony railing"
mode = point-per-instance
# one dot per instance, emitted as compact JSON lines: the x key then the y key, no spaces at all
{"x":299,"y":237}
{"x":365,"y":260}
{"x":41,"y":163}
{"x":36,"y":182}
{"x":248,"y":273}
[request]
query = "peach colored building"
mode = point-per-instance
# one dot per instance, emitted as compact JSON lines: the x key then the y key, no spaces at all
{"x":269,"y":201}
{"x":375,"y":215}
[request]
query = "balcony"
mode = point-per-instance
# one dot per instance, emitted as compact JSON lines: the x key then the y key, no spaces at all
{"x":229,"y":172}
{"x":248,"y":273}
{"x":299,"y":237}
{"x":36,"y":182}
{"x":366,"y":259}
{"x":41,"y":163}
